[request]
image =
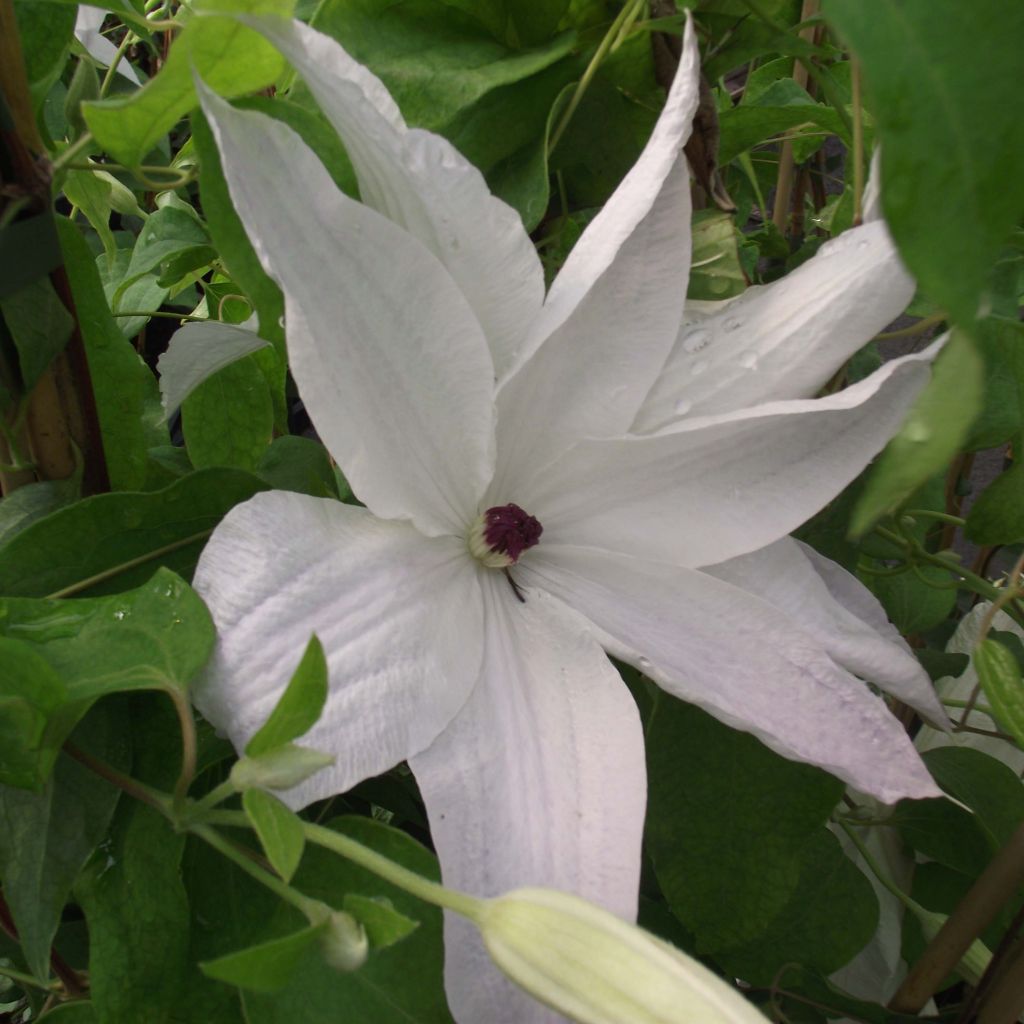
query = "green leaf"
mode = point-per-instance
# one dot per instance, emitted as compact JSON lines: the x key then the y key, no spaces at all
{"x":31,"y":695}
{"x":741,"y":852}
{"x":229,"y":57}
{"x":121,"y":537}
{"x":122,"y":383}
{"x":168,"y":234}
{"x":910,"y":602}
{"x":943,"y":832}
{"x":299,"y":706}
{"x":279,"y":830}
{"x":990,"y":788}
{"x":1000,"y":676}
{"x":932,"y":433}
{"x":196,"y":352}
{"x":45,"y":38}
{"x":434,"y":60}
{"x":92,"y":195}
{"x":398,"y":984}
{"x":997,"y":516}
{"x":39,"y":326}
{"x":384,"y":925}
{"x":947,"y":142}
{"x":24,"y":506}
{"x":78,"y":1012}
{"x":46,"y":837}
{"x":293,"y":463}
{"x":228,"y":419}
{"x":135,"y":904}
{"x":269,"y":966}
{"x":144,"y":294}
{"x":745,"y":126}
{"x":715,"y":272}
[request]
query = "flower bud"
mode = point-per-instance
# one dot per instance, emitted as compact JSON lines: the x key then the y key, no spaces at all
{"x":344,"y":943}
{"x":280,"y":768}
{"x":594,"y":967}
{"x":973,"y":963}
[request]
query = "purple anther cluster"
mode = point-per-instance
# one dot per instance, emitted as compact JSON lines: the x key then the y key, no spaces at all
{"x":510,"y":531}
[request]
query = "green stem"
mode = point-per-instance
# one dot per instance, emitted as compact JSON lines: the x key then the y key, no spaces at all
{"x":108,"y":78}
{"x":423,"y":888}
{"x":221,"y":792}
{"x":313,"y":910}
{"x":168,"y":316}
{"x":918,"y":328}
{"x":950,"y":702}
{"x":875,"y":868}
{"x":595,"y":62}
{"x":25,"y":980}
{"x":84,"y":141}
{"x":858,"y":142}
{"x":927,"y":513}
{"x":188,"y":747}
{"x":116,"y":570}
{"x":155,"y":799}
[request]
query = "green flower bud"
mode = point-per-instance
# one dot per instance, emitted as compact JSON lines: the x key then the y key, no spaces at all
{"x":344,"y":943}
{"x":84,"y":86}
{"x":974,"y":962}
{"x":594,"y":967}
{"x":280,"y":768}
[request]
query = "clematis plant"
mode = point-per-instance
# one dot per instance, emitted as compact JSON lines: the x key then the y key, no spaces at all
{"x":547,"y":479}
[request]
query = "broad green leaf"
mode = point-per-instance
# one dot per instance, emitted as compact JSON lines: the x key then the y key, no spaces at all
{"x":1000,"y":342}
{"x":910,"y":602}
{"x":169,"y":234}
{"x":435,"y":61}
{"x":997,"y":516}
{"x":715,"y":272}
{"x":384,"y":925}
{"x":45,"y":35}
{"x":270,"y":966}
{"x":24,"y":506}
{"x":112,"y":542}
{"x":196,"y":352}
{"x":398,"y":984}
{"x":46,"y":837}
{"x":144,"y":294}
{"x":293,"y":463}
{"x":1000,"y":676}
{"x":745,"y":126}
{"x":124,"y":388}
{"x":39,"y":325}
{"x":230,"y":58}
{"x":932,"y":433}
{"x":279,"y":830}
{"x":741,"y":852}
{"x":135,"y":904}
{"x":299,"y":706}
{"x":741,"y":36}
{"x":947,"y":141}
{"x":78,"y":1012}
{"x":228,"y":419}
{"x":943,"y":832}
{"x":31,"y":695}
{"x":154,"y":638}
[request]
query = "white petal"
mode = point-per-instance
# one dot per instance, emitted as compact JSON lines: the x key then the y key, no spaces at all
{"x":785,"y":339}
{"x":838,"y":612}
{"x":197,"y":351}
{"x":87,"y":31}
{"x":716,"y":487}
{"x":399,"y":616}
{"x":589,"y":378}
{"x":739,"y":658}
{"x":390,"y":361}
{"x":421,"y":182}
{"x":539,"y":780}
{"x":630,"y":204}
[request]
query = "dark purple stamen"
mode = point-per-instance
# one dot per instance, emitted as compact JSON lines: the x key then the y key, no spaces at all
{"x":510,"y":531}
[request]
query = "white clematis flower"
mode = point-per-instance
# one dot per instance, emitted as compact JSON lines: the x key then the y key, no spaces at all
{"x":487,"y":428}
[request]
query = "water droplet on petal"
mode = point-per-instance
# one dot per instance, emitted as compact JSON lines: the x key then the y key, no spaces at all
{"x":699,"y":367}
{"x":749,"y":360}
{"x":697,"y":340}
{"x":732,"y":323}
{"x":644,"y":664}
{"x":863,"y":243}
{"x":683,"y":407}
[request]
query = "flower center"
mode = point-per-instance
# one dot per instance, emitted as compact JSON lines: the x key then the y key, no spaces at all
{"x":502,"y":534}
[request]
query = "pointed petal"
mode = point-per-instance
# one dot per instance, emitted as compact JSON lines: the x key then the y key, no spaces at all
{"x":539,"y":780}
{"x":786,"y":339}
{"x":421,"y":182}
{"x":720,"y":486}
{"x":838,"y":612}
{"x":88,"y":23}
{"x":390,"y":361}
{"x":590,"y":376}
{"x":741,"y":659}
{"x":630,"y":204}
{"x":398,"y":614}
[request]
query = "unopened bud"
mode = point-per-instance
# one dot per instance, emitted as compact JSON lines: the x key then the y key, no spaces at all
{"x":344,"y":943}
{"x":280,"y":768}
{"x":594,"y":967}
{"x":973,"y":963}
